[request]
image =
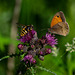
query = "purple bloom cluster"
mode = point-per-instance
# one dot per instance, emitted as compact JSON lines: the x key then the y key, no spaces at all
{"x":30,"y":59}
{"x":36,"y":47}
{"x":28,"y":36}
{"x":51,"y":40}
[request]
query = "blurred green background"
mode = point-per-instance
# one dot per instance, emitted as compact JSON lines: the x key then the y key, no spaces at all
{"x":39,"y":13}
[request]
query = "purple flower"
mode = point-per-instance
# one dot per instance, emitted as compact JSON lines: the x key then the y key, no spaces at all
{"x":41,"y":53}
{"x":50,"y":40}
{"x":32,"y":46}
{"x":30,"y":59}
{"x":33,"y":32}
{"x":20,"y":46}
{"x":48,"y":51}
{"x":43,"y":40}
{"x":28,"y":36}
{"x":34,"y":61}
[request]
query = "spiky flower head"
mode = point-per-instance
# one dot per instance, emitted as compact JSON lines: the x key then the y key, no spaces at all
{"x":27,"y":37}
{"x":36,"y":47}
{"x":50,"y":39}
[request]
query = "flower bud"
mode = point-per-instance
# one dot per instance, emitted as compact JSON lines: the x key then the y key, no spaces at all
{"x":32,"y":46}
{"x":41,"y":53}
{"x":34,"y":61}
{"x":20,"y":46}
{"x":48,"y":51}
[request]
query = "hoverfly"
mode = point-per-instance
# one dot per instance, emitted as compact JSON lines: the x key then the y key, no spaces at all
{"x":25,"y":29}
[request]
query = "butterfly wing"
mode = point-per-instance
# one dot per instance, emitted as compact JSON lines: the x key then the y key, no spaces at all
{"x":60,"y":28}
{"x":58,"y":17}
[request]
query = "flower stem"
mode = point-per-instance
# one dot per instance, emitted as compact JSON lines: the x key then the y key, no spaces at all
{"x":44,"y":69}
{"x":5,"y":57}
{"x":13,"y":55}
{"x":32,"y":70}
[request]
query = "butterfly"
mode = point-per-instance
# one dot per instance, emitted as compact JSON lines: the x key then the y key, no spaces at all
{"x":59,"y":25}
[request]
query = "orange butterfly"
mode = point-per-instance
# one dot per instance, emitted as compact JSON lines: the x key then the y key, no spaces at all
{"x":59,"y":24}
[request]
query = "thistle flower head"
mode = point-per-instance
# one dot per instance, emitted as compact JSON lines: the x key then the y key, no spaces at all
{"x":29,"y":58}
{"x":50,"y":40}
{"x":27,"y":37}
{"x":36,"y":47}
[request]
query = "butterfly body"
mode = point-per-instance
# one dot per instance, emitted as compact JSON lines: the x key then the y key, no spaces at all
{"x":59,"y":24}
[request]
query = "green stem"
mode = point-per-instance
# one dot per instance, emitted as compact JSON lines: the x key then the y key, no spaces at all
{"x":44,"y":69}
{"x":5,"y":57}
{"x":32,"y":70}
